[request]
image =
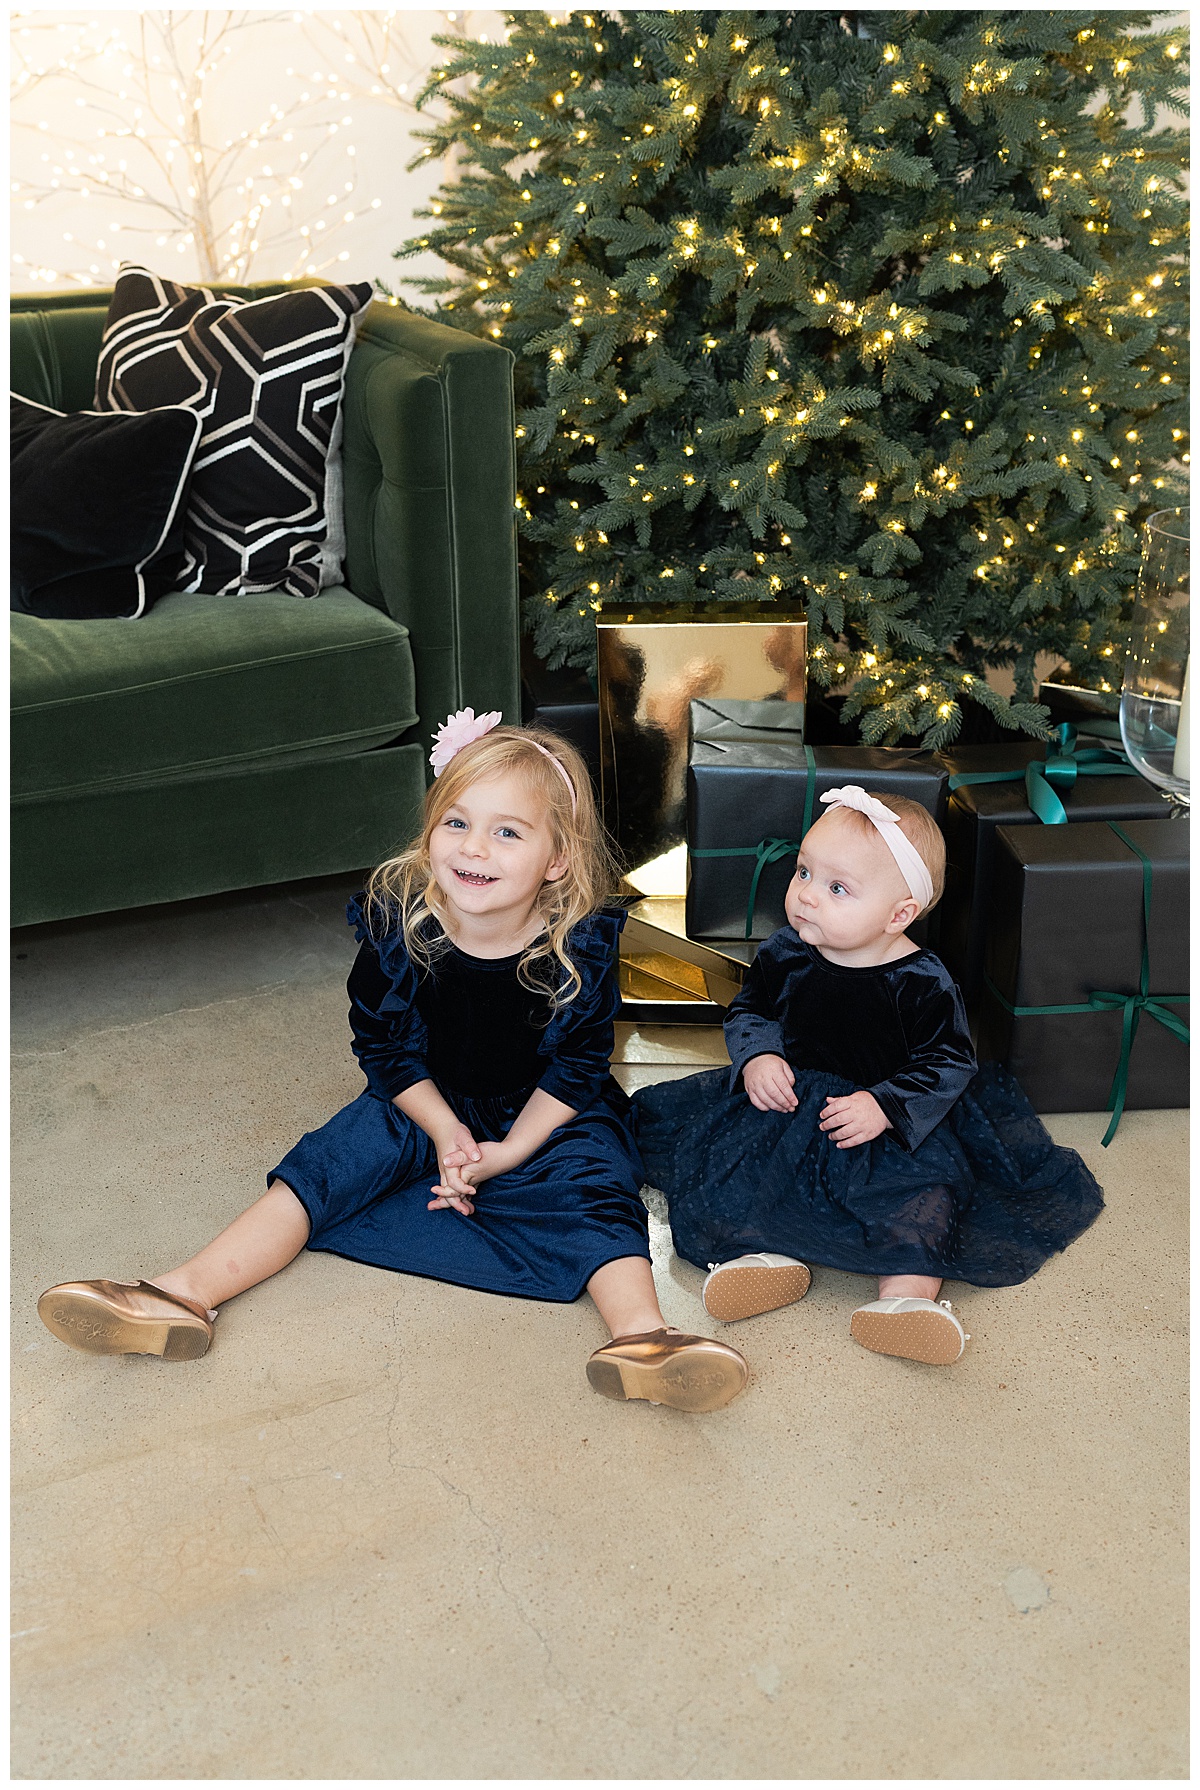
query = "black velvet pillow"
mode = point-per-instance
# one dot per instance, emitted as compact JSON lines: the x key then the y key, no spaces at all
{"x":267,"y":376}
{"x":97,"y":508}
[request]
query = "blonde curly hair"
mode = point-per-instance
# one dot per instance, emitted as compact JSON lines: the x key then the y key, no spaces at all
{"x":404,"y":886}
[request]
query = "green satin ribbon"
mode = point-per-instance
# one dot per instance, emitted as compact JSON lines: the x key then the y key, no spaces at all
{"x":1044,"y":778}
{"x":768,"y":851}
{"x":1097,"y":729}
{"x":1130,"y":1006}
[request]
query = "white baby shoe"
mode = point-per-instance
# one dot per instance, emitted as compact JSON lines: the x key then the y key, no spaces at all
{"x":752,"y":1284}
{"x":917,"y":1329}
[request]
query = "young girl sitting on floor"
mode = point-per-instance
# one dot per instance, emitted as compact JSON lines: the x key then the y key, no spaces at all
{"x":865,"y":1140}
{"x":482,"y":1005}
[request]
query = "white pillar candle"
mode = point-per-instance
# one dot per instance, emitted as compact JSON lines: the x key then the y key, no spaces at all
{"x":1180,"y":765}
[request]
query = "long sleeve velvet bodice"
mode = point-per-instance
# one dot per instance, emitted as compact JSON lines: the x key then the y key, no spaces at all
{"x":472,"y":1026}
{"x":897,"y":1029}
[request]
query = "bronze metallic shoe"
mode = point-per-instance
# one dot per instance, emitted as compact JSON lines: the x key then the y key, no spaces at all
{"x":116,"y":1317}
{"x":690,"y":1373}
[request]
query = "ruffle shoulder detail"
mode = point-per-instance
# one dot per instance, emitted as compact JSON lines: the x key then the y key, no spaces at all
{"x":924,"y":972}
{"x":378,"y":924}
{"x":592,"y":947}
{"x":592,"y":941}
{"x":356,"y":918}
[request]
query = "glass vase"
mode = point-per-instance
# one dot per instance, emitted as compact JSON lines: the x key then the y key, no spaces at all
{"x":1155,"y":712}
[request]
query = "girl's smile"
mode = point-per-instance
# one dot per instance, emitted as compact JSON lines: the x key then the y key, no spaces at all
{"x":490,"y":854}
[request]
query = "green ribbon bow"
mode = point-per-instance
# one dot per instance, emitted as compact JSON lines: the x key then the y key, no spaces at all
{"x":769,"y":851}
{"x":1130,"y":1006}
{"x":1044,"y":778}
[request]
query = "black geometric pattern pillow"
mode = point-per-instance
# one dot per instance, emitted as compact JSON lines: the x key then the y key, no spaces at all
{"x":266,"y":376}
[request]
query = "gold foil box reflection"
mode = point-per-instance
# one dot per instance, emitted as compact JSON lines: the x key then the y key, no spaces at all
{"x":653,"y":663}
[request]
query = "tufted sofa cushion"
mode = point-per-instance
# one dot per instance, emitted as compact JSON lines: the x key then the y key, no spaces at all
{"x":203,"y":685}
{"x":52,"y":355}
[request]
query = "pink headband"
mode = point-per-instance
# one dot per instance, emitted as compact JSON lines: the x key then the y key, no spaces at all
{"x":912,"y":865}
{"x":461,"y":729}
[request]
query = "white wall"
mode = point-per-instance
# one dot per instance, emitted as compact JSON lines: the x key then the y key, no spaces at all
{"x":96,"y":89}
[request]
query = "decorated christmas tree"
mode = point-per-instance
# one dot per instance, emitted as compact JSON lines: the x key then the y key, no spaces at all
{"x":881,"y":315}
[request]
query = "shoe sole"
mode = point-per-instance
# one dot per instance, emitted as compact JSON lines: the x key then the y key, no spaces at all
{"x":913,"y":1335}
{"x":748,"y":1292}
{"x":689,"y":1380}
{"x":86,"y":1321}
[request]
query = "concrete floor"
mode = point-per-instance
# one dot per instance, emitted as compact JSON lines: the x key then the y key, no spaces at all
{"x":385,"y":1530}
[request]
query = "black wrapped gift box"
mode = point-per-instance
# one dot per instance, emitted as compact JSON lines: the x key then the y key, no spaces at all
{"x":1096,"y":713}
{"x":733,"y":718}
{"x":977,"y":810}
{"x":1064,"y":919}
{"x":743,"y":791}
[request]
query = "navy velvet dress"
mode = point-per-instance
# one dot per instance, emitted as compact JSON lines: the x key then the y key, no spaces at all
{"x":966,"y":1185}
{"x":541,"y":1230}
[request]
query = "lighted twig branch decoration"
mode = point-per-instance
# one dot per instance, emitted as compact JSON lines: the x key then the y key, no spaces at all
{"x":170,"y":154}
{"x":380,"y":62}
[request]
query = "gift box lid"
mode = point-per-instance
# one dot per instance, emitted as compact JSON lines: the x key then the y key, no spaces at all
{"x":776,"y":752}
{"x":1012,"y":755}
{"x":1066,"y":907}
{"x":786,"y":752}
{"x":736,"y":786}
{"x":729,"y":717}
{"x":1099,"y":792}
{"x":1088,"y":800}
{"x":1071,"y":702}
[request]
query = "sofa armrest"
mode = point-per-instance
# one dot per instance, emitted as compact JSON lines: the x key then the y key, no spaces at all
{"x":430,"y":479}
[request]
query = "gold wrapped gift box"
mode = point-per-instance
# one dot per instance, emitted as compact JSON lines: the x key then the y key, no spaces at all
{"x":653,"y":662}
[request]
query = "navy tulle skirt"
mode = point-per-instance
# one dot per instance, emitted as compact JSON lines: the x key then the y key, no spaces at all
{"x":540,"y":1231}
{"x":985,"y":1199}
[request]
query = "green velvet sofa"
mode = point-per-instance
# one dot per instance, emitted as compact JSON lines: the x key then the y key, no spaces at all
{"x":224,"y":742}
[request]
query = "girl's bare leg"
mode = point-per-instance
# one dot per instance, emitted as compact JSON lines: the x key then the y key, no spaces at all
{"x":691,"y":1373}
{"x":267,"y":1236}
{"x":909,"y":1286}
{"x":625,"y":1297}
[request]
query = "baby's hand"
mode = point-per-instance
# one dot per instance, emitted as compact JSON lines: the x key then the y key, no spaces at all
{"x":853,"y":1119}
{"x":769,"y":1081}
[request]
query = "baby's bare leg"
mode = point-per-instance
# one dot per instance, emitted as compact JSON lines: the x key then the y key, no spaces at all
{"x":905,"y":1321}
{"x":909,"y":1286}
{"x":267,"y":1236}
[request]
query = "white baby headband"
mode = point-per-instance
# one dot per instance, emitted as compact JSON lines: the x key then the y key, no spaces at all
{"x":912,"y":865}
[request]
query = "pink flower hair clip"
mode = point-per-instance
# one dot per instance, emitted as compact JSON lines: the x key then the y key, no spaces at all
{"x":458,"y":731}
